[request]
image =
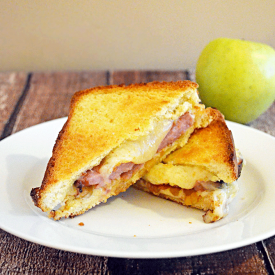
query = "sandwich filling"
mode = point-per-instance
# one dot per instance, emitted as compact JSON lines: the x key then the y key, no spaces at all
{"x":196,"y":178}
{"x":193,"y":186}
{"x":214,"y":201}
{"x":124,"y":161}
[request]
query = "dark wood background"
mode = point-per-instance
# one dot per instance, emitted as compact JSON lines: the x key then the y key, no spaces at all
{"x":27,"y":99}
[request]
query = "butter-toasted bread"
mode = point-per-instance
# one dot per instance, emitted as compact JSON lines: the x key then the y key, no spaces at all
{"x":202,"y":174}
{"x":109,"y":128}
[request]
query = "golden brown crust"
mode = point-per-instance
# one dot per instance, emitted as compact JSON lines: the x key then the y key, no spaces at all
{"x":211,"y":147}
{"x":100,"y":119}
{"x":170,"y":86}
{"x":36,"y":192}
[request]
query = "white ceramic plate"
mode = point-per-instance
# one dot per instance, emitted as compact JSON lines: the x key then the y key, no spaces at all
{"x":135,"y":224}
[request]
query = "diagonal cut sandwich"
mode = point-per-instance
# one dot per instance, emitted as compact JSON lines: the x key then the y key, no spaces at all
{"x":202,"y":174}
{"x":112,"y":136}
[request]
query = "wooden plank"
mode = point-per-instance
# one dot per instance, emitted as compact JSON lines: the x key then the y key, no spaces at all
{"x":21,"y":257}
{"x":269,"y":245}
{"x":129,"y":77}
{"x":245,"y":260}
{"x":11,"y":87}
{"x":49,"y":95}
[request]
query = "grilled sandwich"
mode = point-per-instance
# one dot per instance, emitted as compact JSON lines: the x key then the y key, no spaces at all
{"x":112,"y":137}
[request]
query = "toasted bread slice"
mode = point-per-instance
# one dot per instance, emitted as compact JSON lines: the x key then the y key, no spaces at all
{"x":110,"y":129}
{"x":202,"y":174}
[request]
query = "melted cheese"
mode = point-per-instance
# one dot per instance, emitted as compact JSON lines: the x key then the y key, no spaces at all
{"x":216,"y":201}
{"x":137,"y":151}
{"x":179,"y":175}
{"x":221,"y":199}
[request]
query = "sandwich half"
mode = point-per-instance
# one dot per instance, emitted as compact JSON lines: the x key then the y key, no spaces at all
{"x":203,"y":174}
{"x":112,"y":137}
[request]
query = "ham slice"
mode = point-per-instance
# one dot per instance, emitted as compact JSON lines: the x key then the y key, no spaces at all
{"x":89,"y":178}
{"x":93,"y":177}
{"x":183,"y":123}
{"x":127,"y":175}
{"x":122,"y":168}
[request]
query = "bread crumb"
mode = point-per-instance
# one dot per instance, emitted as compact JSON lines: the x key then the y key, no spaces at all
{"x":81,"y":224}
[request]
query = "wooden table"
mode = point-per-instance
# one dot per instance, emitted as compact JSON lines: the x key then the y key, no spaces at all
{"x":27,"y":99}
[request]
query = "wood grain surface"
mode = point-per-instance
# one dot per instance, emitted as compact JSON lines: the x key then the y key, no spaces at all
{"x":27,"y":99}
{"x":49,"y":94}
{"x":12,"y":86}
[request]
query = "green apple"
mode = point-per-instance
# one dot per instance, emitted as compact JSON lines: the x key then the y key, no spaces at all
{"x":237,"y":77}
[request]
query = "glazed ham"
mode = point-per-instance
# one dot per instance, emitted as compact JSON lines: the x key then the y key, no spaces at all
{"x":93,"y":177}
{"x":179,"y":128}
{"x":126,"y":170}
{"x":89,"y":178}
